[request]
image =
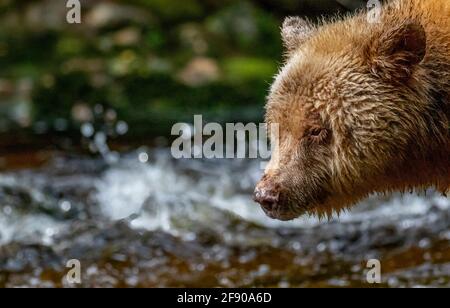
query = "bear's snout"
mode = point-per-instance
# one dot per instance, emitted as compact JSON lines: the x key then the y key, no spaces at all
{"x":267,"y":194}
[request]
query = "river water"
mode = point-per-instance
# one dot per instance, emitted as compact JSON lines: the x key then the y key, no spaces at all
{"x":150,"y":221}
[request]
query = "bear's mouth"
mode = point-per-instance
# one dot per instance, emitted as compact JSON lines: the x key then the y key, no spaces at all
{"x":281,"y":216}
{"x":283,"y":212}
{"x":286,"y":210}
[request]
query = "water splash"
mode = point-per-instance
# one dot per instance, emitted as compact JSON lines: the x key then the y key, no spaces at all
{"x":225,"y":185}
{"x":149,"y":220}
{"x":101,"y":126}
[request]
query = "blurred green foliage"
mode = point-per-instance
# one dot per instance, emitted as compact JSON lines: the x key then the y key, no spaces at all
{"x":155,"y":62}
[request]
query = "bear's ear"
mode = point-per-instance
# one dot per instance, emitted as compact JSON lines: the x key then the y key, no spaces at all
{"x":395,"y":53}
{"x":295,"y":31}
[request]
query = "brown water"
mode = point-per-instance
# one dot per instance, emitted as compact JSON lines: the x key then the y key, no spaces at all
{"x":158,"y":222}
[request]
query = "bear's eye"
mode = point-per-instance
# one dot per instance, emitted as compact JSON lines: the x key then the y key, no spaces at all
{"x":318,"y":134}
{"x":315,"y":132}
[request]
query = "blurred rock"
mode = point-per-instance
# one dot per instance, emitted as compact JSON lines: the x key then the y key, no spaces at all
{"x":109,"y":14}
{"x":200,"y":71}
{"x":127,"y":37}
{"x":81,"y":112}
{"x":47,"y":14}
{"x":192,"y":36}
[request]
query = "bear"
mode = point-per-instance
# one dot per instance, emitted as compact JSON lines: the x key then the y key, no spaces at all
{"x":362,"y":107}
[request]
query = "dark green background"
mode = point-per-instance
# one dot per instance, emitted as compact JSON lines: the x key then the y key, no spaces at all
{"x":154,"y":62}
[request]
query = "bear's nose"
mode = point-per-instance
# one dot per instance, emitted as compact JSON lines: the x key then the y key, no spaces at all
{"x":267,"y":195}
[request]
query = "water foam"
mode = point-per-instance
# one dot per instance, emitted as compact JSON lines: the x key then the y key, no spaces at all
{"x":125,"y":189}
